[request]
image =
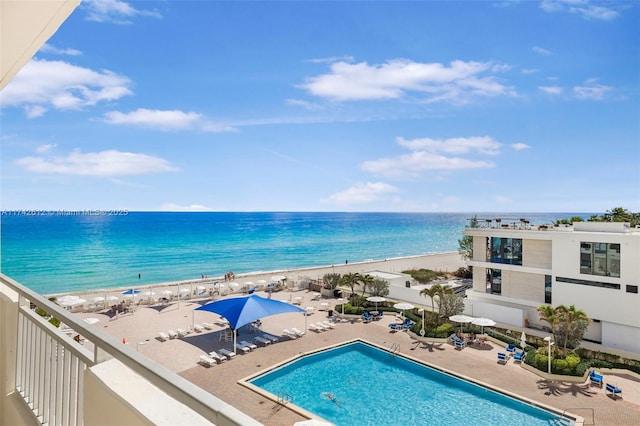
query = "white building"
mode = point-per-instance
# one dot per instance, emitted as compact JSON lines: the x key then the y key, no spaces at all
{"x":592,"y":265}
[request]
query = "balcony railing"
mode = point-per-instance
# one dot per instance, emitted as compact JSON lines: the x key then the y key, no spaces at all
{"x":50,"y":365}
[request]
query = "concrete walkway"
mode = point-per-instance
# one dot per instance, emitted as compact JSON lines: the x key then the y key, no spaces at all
{"x":181,"y":355}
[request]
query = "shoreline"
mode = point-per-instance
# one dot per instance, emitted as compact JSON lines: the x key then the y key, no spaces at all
{"x":446,"y":261}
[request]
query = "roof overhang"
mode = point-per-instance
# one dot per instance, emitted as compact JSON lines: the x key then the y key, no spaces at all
{"x":25,"y":26}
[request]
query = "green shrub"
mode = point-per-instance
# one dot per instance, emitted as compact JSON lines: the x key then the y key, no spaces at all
{"x":41,"y":312}
{"x":55,"y":321}
{"x":541,"y":362}
{"x":559,"y":365}
{"x":572,"y":361}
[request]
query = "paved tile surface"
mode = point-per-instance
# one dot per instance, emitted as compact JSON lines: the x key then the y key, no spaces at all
{"x":181,"y":356}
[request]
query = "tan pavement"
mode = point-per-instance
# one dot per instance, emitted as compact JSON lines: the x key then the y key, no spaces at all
{"x":181,"y":356}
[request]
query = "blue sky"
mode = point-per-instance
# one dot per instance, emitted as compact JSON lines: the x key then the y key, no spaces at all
{"x":329,"y":106}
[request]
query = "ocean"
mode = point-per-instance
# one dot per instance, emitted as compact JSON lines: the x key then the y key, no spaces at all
{"x":59,"y":252}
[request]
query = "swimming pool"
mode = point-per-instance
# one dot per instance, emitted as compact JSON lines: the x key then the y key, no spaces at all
{"x":371,"y":386}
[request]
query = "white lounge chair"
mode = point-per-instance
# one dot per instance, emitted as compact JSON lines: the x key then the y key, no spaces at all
{"x":249,"y":345}
{"x":181,"y":332}
{"x":172,"y":334}
{"x":207,"y":325}
{"x":289,"y":333}
{"x":162,"y":336}
{"x":315,"y":328}
{"x":207,"y":361}
{"x":273,"y":339}
{"x":229,"y":354}
{"x":327,"y":324}
{"x":243,"y":348}
{"x":299,"y":332}
{"x":197,"y":328}
{"x":262,"y":340}
{"x":219,"y":358}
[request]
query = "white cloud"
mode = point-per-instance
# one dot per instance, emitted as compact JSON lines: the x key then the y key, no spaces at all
{"x":503,"y":200}
{"x":171,"y":207}
{"x":45,"y":84}
{"x":591,"y":91}
{"x":331,"y":59}
{"x":529,"y":71}
{"x":418,"y":162}
{"x":114,"y":11}
{"x":481,"y":144}
{"x":520,"y":146}
{"x":304,"y":104}
{"x":47,"y":48}
{"x":361,"y":193}
{"x":165,"y":120}
{"x":541,"y":51}
{"x":434,"y":155}
{"x":430,"y":82}
{"x":45,"y":148}
{"x":551,"y":90}
{"x":583,"y":8}
{"x":104,"y":163}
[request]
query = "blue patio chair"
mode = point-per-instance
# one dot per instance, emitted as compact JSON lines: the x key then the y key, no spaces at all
{"x":511,"y":348}
{"x":502,"y":358}
{"x":379,"y":315}
{"x":613,"y":391}
{"x":595,"y":378}
{"x":366,"y":316}
{"x":519,"y":356}
{"x":395,"y":327}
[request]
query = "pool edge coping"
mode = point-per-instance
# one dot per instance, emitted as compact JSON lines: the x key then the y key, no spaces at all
{"x":577,"y":420}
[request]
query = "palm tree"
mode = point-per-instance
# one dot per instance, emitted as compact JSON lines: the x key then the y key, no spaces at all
{"x":432,"y":292}
{"x":550,"y":316}
{"x":442,"y":290}
{"x":567,"y":318}
{"x":367,"y":282}
{"x":350,"y":280}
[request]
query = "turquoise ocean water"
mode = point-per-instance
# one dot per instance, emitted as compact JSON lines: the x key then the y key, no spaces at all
{"x":54,"y":253}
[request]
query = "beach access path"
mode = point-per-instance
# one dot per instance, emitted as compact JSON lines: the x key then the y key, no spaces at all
{"x":181,"y":355}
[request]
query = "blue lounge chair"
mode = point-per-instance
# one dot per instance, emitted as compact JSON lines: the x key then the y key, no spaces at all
{"x":518,"y":356}
{"x":595,"y":378}
{"x":395,"y":327}
{"x":379,"y":315}
{"x":502,"y":358}
{"x":366,"y":316}
{"x":613,"y":390}
{"x":511,"y":349}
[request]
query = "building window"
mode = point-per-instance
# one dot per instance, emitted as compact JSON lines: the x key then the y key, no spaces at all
{"x":632,"y":289}
{"x":600,"y":259}
{"x":588,"y":283}
{"x":494,"y":281}
{"x":506,"y":250}
{"x":547,"y":289}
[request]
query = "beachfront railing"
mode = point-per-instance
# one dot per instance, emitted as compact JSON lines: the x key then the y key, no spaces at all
{"x":50,"y":365}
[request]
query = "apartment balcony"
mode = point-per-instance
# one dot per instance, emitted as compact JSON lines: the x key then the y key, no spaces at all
{"x":50,"y":378}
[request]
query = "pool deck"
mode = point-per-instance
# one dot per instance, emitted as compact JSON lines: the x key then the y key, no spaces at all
{"x":478,"y":363}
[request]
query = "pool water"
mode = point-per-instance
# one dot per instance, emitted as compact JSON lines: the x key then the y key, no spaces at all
{"x":373,"y":387}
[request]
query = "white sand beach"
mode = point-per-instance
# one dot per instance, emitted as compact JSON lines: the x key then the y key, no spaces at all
{"x":447,"y":262}
{"x":141,"y":327}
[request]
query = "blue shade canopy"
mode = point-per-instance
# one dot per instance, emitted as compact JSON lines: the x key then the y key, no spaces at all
{"x":244,"y":310}
{"x":131,"y":291}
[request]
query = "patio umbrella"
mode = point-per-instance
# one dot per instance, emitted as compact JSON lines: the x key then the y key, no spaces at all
{"x":462,"y":319}
{"x":91,"y":320}
{"x":483,"y":322}
{"x":376,"y":299}
{"x":278,"y":278}
{"x":403,"y":306}
{"x":112,"y":299}
{"x":523,"y":340}
{"x":240,"y":311}
{"x":131,"y":292}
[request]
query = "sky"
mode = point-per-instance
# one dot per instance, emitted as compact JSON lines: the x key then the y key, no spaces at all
{"x":484,"y":106}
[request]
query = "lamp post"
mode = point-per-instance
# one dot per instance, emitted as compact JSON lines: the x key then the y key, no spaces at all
{"x":422,"y":325}
{"x":548,"y":340}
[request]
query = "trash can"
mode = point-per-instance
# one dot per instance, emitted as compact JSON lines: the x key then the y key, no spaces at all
{"x":330,"y":313}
